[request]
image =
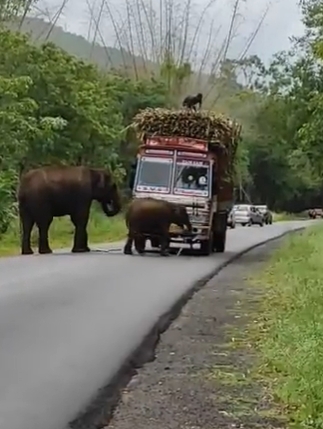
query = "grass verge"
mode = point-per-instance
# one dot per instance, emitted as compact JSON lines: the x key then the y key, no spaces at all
{"x":277,"y":217}
{"x":288,"y":331}
{"x":100,"y":230}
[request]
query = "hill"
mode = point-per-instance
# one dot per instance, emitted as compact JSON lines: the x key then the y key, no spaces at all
{"x":105,"y":57}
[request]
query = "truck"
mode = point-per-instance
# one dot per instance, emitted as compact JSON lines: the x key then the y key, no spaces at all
{"x":194,"y":172}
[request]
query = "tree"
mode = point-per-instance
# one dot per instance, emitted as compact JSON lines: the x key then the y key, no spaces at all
{"x":171,"y":40}
{"x":20,"y":129}
{"x":69,"y":89}
{"x":57,"y":109}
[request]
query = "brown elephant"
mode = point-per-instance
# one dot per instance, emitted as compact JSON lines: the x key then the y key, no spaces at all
{"x":148,"y":217}
{"x":48,"y":192}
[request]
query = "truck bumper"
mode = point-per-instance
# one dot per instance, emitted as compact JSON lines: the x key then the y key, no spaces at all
{"x":196,"y":236}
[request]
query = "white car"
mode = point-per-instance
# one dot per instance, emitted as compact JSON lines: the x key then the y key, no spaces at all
{"x":231,"y":222}
{"x":247,"y":214}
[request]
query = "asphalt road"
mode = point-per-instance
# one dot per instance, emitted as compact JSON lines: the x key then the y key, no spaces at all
{"x":67,"y":321}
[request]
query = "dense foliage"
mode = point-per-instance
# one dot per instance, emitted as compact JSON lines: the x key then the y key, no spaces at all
{"x":282,"y":114}
{"x":57,"y":108}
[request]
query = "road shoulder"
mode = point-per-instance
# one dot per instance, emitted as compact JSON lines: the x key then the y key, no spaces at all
{"x":202,"y":375}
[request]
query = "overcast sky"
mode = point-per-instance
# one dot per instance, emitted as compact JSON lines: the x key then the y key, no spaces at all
{"x":282,"y":21}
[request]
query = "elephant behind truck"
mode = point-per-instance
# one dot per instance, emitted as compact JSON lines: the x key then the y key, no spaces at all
{"x":148,"y":218}
{"x":48,"y":192}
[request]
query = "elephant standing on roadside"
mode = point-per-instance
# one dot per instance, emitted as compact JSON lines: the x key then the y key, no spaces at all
{"x":151,"y":217}
{"x":48,"y":192}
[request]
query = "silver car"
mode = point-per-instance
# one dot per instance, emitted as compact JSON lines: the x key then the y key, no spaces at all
{"x":231,"y":222}
{"x":247,"y":214}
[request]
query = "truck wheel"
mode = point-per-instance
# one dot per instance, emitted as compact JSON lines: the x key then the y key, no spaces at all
{"x":219,"y":241}
{"x":206,"y":247}
{"x":219,"y":233}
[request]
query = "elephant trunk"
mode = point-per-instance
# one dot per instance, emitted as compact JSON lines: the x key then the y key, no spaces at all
{"x":185,"y":220}
{"x":189,"y":226}
{"x":111,"y":208}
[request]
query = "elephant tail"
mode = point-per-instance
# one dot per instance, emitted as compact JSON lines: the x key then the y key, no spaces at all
{"x":22,"y":201}
{"x":22,"y":205}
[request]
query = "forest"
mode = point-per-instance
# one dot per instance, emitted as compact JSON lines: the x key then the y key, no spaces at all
{"x":58,"y":108}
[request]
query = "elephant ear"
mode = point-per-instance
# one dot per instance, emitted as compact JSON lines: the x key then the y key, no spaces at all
{"x":176,"y":209}
{"x":180,"y":211}
{"x":98,"y":177}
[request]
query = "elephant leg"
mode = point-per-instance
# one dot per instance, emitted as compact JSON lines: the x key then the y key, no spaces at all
{"x":140,"y":244}
{"x":86,"y":241}
{"x":80,"y":221}
{"x":127,"y":250}
{"x":43,"y":228}
{"x":27,"y":223}
{"x":164,"y":243}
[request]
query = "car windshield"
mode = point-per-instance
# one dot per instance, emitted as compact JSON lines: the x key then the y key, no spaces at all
{"x":241,"y":208}
{"x":192,"y":178}
{"x":154,"y":174}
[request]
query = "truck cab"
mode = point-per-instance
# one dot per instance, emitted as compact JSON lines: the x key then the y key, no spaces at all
{"x":184,"y":171}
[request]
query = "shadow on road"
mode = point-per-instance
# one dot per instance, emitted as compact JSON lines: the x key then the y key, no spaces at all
{"x":174,"y":252}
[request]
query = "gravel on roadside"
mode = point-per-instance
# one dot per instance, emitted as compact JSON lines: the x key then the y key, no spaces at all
{"x":199,"y":379}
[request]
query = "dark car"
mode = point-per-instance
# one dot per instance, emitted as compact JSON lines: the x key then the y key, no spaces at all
{"x":268,"y":217}
{"x":314,"y":213}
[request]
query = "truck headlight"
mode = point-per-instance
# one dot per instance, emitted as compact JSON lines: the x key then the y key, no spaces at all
{"x":200,"y":218}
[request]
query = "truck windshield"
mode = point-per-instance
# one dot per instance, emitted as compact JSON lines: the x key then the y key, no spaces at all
{"x":154,"y":174}
{"x":192,"y":178}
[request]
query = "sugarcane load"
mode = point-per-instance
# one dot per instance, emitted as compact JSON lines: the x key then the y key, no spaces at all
{"x":203,"y":125}
{"x":187,"y":157}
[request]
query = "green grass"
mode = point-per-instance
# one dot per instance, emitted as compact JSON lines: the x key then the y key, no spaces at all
{"x":101,"y":229}
{"x":290,"y":327}
{"x":277,"y":217}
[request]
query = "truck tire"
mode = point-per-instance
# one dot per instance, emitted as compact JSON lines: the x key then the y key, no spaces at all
{"x":219,"y":233}
{"x":220,"y":241}
{"x":206,"y":247}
